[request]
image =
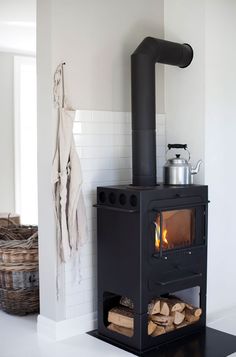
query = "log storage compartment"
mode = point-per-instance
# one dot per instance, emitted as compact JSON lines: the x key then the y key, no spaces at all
{"x":165,"y":314}
{"x":151,"y":284}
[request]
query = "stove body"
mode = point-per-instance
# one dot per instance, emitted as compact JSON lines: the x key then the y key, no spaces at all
{"x":132,"y":263}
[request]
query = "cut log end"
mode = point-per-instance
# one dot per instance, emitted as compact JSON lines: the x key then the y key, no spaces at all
{"x":190,"y":316}
{"x":154,"y":307}
{"x":162,"y":320}
{"x":122,"y":330}
{"x":159,"y":330}
{"x":151,"y":327}
{"x":178,"y":317}
{"x":170,"y":328}
{"x":164,"y":310}
{"x":196,"y":311}
{"x":121,"y":316}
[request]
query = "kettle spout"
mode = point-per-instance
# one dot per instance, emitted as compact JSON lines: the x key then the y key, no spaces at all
{"x":195,"y":170}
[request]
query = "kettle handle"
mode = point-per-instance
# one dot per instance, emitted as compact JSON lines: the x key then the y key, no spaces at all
{"x":179,"y":146}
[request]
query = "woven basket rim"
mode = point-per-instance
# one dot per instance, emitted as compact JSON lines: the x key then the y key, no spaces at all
{"x":19,"y":250}
{"x":17,"y":268}
{"x":28,"y":290}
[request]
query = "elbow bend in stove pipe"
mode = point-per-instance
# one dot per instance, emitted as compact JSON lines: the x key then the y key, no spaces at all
{"x":150,"y":51}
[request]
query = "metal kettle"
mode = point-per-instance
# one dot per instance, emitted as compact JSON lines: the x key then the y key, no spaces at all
{"x":177,"y":170}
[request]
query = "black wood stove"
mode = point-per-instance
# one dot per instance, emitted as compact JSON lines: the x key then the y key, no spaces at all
{"x":135,"y":261}
{"x":152,"y":238}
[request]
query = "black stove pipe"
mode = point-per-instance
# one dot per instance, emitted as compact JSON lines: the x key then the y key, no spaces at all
{"x":150,"y":51}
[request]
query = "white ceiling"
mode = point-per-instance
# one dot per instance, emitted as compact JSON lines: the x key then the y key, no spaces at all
{"x":18,"y":26}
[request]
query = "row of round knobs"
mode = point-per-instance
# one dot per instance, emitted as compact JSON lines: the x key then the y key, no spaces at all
{"x":112,"y":198}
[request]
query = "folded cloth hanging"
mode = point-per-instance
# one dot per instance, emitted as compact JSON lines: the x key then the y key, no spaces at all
{"x":67,"y":178}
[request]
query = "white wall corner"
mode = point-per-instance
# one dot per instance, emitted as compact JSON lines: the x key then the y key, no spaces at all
{"x":60,"y":330}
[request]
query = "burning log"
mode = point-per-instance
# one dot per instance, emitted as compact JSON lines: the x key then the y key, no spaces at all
{"x":121,"y":316}
{"x":122,"y":330}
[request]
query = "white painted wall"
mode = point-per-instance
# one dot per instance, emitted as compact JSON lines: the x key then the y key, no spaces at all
{"x":95,"y":39}
{"x":7,"y":195}
{"x":18,"y":26}
{"x":200,"y":110}
{"x":185,"y":88}
{"x":50,"y":306}
{"x":220,"y":169}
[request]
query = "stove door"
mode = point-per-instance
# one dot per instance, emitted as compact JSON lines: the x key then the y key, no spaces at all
{"x":177,"y":228}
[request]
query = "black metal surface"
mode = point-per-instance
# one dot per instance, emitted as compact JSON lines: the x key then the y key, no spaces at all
{"x":150,"y":51}
{"x":207,"y":342}
{"x":178,"y":277}
{"x":127,"y":265}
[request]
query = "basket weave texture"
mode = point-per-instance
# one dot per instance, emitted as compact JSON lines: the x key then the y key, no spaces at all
{"x":19,"y":302}
{"x":19,"y":281}
{"x":21,"y":277}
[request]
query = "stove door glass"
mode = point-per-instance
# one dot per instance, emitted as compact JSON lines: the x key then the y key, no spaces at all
{"x":174,"y":229}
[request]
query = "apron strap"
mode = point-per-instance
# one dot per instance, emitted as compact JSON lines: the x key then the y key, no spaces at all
{"x":59,"y":86}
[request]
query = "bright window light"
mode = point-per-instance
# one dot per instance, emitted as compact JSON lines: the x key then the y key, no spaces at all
{"x":26,"y":139}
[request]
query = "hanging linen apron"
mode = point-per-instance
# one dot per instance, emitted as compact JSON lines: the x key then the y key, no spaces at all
{"x":67,"y":179}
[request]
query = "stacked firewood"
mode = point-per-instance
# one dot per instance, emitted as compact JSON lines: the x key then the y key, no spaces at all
{"x":164,"y":315}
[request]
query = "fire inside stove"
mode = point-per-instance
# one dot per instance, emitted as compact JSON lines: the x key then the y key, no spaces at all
{"x":174,"y":229}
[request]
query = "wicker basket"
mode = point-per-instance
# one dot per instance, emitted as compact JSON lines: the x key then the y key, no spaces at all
{"x":15,"y":232}
{"x":7,"y":219}
{"x":19,"y":302}
{"x":19,"y":277}
{"x":19,"y":282}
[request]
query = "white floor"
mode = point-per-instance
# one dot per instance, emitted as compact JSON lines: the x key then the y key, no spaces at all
{"x":18,"y":338}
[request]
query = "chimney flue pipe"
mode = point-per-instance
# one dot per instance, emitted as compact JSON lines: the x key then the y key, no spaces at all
{"x":150,"y":51}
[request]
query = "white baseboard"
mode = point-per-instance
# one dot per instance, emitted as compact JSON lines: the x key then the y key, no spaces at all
{"x":222,"y":320}
{"x":60,"y":330}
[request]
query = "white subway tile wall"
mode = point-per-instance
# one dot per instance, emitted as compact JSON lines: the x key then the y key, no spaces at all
{"x":103,"y":141}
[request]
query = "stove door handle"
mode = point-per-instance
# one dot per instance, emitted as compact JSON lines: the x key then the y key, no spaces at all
{"x":180,"y":279}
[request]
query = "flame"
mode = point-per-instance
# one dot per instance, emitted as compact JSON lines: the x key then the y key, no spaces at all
{"x":165,"y":242}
